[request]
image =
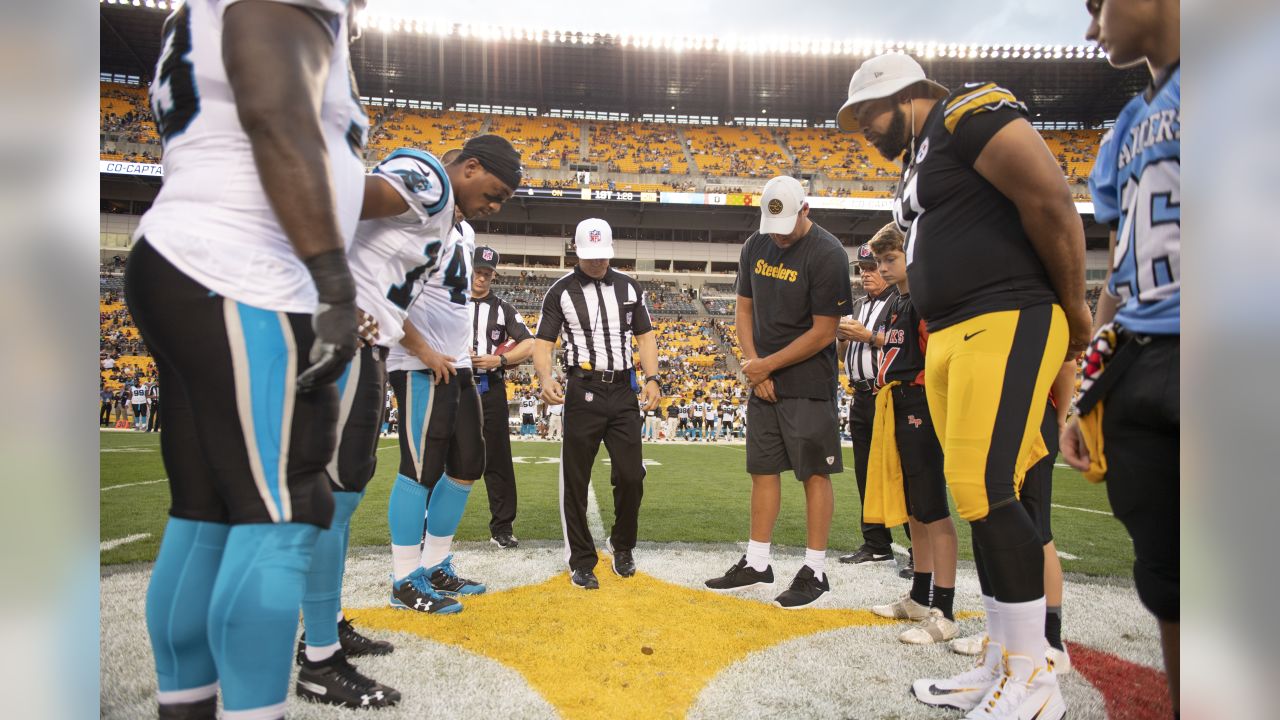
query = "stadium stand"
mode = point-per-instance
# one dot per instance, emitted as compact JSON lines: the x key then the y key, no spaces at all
{"x":542,"y":141}
{"x":736,"y":151}
{"x":838,"y":155}
{"x":637,"y":147}
{"x":431,"y":130}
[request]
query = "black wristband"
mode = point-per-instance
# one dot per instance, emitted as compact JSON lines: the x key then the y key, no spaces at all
{"x":332,"y":276}
{"x":654,"y":378}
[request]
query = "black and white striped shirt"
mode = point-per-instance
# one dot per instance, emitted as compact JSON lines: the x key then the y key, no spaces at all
{"x":493,"y":322}
{"x":861,"y":361}
{"x":596,"y":318}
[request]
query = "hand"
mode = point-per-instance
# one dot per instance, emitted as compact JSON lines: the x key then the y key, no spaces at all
{"x":650,"y":395}
{"x":1071,"y":442}
{"x":765,"y":391}
{"x":366,"y":327}
{"x":441,"y":367}
{"x":485,"y":362}
{"x":552,"y":392}
{"x":333,"y":347}
{"x":1079,"y":330}
{"x":852,"y":330}
{"x":756,"y":370}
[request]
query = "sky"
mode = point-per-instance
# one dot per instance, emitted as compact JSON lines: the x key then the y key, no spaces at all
{"x":1050,"y":22}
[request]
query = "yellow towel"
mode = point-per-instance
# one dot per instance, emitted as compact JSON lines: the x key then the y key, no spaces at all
{"x":1091,"y":429}
{"x":886,"y":492}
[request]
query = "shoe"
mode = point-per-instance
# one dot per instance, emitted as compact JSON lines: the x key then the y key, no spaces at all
{"x":805,"y":590}
{"x":353,"y":643}
{"x":1024,"y":692}
{"x":964,"y":691}
{"x":206,"y":709}
{"x":505,"y":541}
{"x":623,"y":564}
{"x":445,"y":580}
{"x":969,"y":645}
{"x":865,"y":554}
{"x":933,"y":629}
{"x":1059,"y":660}
{"x":909,"y":570}
{"x":414,"y":592}
{"x":336,"y":682}
{"x":904,"y":608}
{"x":740,"y":576}
{"x":585,"y":579}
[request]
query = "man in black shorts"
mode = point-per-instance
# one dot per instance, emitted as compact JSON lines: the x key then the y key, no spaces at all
{"x":797,"y":273}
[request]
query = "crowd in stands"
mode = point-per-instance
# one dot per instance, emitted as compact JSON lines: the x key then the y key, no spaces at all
{"x":736,"y":151}
{"x":720,"y":306}
{"x":637,"y":148}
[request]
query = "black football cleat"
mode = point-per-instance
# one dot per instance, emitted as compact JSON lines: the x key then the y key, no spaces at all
{"x":336,"y":682}
{"x":585,"y":579}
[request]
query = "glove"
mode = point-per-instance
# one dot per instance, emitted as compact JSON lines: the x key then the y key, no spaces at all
{"x":334,"y":320}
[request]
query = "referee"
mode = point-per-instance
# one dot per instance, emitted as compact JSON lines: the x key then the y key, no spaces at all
{"x":597,"y":310}
{"x":495,"y":321}
{"x":859,"y":346}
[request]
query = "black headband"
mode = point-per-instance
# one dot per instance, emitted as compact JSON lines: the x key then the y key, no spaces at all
{"x":497,"y":156}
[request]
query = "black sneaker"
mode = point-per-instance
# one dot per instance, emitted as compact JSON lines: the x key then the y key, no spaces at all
{"x":866,"y":554}
{"x":623,"y":564}
{"x":585,"y":579}
{"x":336,"y":682}
{"x":505,"y":541}
{"x":444,"y":578}
{"x":353,"y":643}
{"x":206,"y":709}
{"x":414,"y":592}
{"x":805,"y":590}
{"x":740,"y":576}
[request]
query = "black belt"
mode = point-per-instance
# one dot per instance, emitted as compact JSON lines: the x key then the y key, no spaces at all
{"x":604,"y":376}
{"x":863,"y":385}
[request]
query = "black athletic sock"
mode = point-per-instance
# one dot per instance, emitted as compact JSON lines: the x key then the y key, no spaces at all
{"x":943,"y":599}
{"x":1053,"y":626}
{"x":920,"y":583}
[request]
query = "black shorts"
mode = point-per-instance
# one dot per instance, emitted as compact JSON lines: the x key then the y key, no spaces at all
{"x":362,"y":398}
{"x":1036,"y":495}
{"x":240,"y":444}
{"x":1140,"y":426}
{"x":526,"y":419}
{"x":921,"y":454}
{"x":140,"y":410}
{"x":796,"y":434}
{"x":684,"y":423}
{"x":441,"y":426}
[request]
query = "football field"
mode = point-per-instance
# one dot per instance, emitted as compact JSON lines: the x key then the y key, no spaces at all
{"x":658,"y":644}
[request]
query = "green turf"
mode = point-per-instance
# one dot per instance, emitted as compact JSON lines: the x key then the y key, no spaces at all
{"x":695,"y":493}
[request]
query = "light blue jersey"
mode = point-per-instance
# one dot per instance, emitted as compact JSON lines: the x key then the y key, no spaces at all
{"x":1136,"y":186}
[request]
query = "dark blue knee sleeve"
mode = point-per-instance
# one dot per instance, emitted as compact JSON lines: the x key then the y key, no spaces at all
{"x":323,"y":597}
{"x":178,"y":603}
{"x":253,"y":614}
{"x":1012,"y":553}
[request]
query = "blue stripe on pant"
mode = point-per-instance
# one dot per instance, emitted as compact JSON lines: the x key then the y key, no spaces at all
{"x":269,"y":362}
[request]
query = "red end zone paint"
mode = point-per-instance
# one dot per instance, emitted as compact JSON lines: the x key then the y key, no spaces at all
{"x":1130,"y":691}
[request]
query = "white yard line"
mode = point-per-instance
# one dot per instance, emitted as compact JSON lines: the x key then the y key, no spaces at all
{"x":1068,"y":507}
{"x":125,"y":485}
{"x":1067,"y":556}
{"x":594,"y":521}
{"x":111,"y":544}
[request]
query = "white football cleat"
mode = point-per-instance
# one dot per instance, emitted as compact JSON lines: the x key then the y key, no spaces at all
{"x":969,"y":644}
{"x":1024,"y":692}
{"x":963,"y":691}
{"x":904,"y":608}
{"x":933,"y":629}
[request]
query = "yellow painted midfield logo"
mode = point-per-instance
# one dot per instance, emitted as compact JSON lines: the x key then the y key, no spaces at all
{"x":779,"y":271}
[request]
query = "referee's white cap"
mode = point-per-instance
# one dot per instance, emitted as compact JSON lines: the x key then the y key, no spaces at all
{"x":880,"y":77}
{"x":593,"y":240}
{"x":780,"y":205}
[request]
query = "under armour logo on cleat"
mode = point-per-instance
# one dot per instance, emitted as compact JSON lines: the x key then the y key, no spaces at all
{"x":421,"y":604}
{"x":914,"y":421}
{"x":364,"y":699}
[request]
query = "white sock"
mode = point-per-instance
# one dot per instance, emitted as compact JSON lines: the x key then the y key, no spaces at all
{"x":435,"y":549}
{"x":758,"y":555}
{"x":817,"y":561}
{"x":316,"y":654}
{"x":340,"y":616}
{"x":1022,"y":625}
{"x":404,"y":560}
{"x":995,"y":631}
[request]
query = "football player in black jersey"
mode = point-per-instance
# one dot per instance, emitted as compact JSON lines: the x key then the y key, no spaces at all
{"x":995,"y":257}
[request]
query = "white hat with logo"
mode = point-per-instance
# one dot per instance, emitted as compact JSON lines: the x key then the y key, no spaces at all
{"x":593,"y":240}
{"x":780,"y":205}
{"x":880,"y":77}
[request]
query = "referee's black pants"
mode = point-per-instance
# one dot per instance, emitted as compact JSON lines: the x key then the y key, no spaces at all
{"x":595,"y":411}
{"x":499,"y":473}
{"x":861,"y":414}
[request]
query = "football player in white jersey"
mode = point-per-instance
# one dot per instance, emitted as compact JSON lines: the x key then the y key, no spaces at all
{"x":239,"y":284}
{"x":441,"y":435}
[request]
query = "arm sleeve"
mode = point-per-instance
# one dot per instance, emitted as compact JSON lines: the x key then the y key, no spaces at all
{"x":743,"y":282}
{"x":420,"y":179}
{"x":830,"y":292}
{"x":552,"y":319}
{"x":976,"y":114}
{"x":516,"y":329}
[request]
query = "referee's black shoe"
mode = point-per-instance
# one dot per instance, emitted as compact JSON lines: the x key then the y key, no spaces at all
{"x":336,"y":682}
{"x":805,"y":590}
{"x":506,"y":541}
{"x":866,"y":554}
{"x":623,"y":564}
{"x":740,"y":576}
{"x":585,"y":579}
{"x":353,"y":643}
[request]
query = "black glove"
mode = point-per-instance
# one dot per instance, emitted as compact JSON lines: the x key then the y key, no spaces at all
{"x":334,"y":320}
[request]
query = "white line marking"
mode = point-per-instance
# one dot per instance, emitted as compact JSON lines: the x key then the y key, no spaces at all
{"x":1068,"y":507}
{"x":125,"y":485}
{"x":1067,"y":556}
{"x":594,"y":521}
{"x":898,"y":549}
{"x":111,"y":544}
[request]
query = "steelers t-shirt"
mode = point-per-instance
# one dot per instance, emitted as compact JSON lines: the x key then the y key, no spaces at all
{"x":787,"y":287}
{"x":967,"y":254}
